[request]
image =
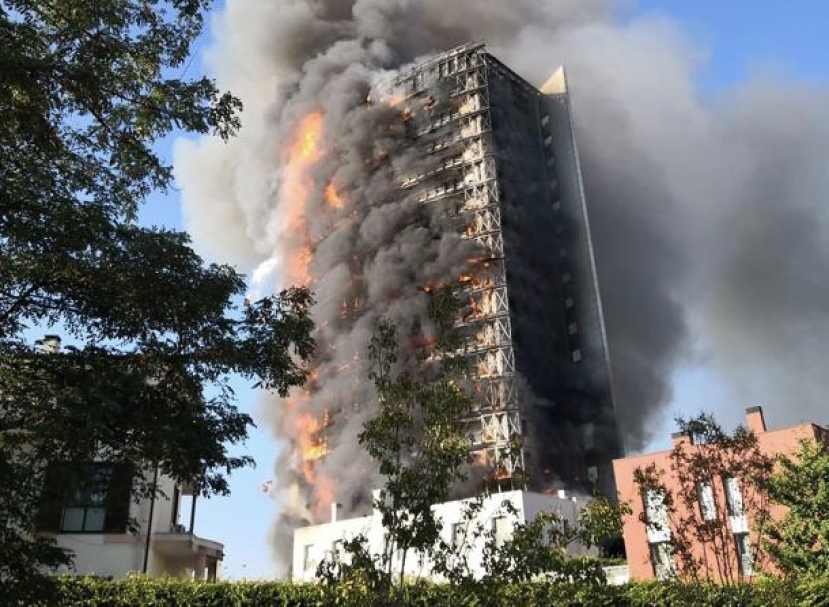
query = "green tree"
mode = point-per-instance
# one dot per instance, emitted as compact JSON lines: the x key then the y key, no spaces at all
{"x":539,"y":548}
{"x":798,"y":542}
{"x":601,"y":522}
{"x":693,"y":508}
{"x":417,"y":436}
{"x":86,"y":90}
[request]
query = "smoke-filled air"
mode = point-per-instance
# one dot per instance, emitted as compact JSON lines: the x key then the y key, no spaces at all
{"x":708,"y":215}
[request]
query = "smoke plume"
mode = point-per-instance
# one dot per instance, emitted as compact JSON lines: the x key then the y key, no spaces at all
{"x":708,"y":216}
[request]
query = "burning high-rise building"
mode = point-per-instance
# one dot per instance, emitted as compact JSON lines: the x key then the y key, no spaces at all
{"x":507,"y":177}
{"x":458,"y":172}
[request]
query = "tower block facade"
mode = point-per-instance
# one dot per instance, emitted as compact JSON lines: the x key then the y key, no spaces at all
{"x":505,"y":173}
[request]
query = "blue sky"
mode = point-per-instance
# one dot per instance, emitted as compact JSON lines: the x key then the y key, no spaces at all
{"x":742,"y":37}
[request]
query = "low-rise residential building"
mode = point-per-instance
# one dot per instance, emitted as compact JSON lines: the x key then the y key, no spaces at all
{"x":726,"y":505}
{"x":496,"y":517}
{"x":112,"y":534}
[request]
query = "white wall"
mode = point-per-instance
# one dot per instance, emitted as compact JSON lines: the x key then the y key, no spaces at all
{"x":119,"y":554}
{"x":98,"y":554}
{"x":319,"y":540}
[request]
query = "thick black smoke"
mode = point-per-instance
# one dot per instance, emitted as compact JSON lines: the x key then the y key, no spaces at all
{"x":709,"y":218}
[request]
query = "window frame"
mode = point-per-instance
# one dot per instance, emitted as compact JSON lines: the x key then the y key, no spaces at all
{"x":729,"y":483}
{"x":91,"y":500}
{"x":745,"y":556}
{"x":662,"y":571}
{"x":708,"y":512}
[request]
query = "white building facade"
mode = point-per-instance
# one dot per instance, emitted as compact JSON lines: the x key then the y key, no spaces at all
{"x":113,"y":535}
{"x":496,"y":517}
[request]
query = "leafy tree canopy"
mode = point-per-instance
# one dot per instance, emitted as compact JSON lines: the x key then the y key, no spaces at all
{"x":798,"y":543}
{"x":417,"y":436}
{"x":86,"y":90}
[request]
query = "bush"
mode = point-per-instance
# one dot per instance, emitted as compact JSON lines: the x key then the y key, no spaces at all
{"x":94,"y":592}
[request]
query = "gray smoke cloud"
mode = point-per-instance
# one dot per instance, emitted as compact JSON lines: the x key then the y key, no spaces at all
{"x":708,"y":216}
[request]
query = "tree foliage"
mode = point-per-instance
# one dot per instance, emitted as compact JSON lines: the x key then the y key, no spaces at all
{"x":799,"y":542}
{"x":417,"y":436}
{"x":86,"y":90}
{"x":539,"y":548}
{"x":692,"y":495}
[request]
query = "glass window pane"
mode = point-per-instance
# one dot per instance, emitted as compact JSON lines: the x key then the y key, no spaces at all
{"x":744,"y":554}
{"x":663,"y":561}
{"x":707,"y":504}
{"x":72,"y":519}
{"x":94,"y":519}
{"x":458,"y":533}
{"x":734,"y":496}
{"x":502,"y":530}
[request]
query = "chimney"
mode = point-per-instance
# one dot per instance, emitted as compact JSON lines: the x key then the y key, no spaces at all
{"x":335,"y":510}
{"x":50,"y":344}
{"x":755,"y":421}
{"x":680,"y":438}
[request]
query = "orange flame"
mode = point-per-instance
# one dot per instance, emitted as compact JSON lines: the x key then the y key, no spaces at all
{"x":332,"y":197}
{"x":303,"y":152}
{"x":312,"y":445}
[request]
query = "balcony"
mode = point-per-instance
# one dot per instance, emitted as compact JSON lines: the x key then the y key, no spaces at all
{"x":178,"y":551}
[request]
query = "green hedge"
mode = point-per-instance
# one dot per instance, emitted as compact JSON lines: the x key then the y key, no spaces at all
{"x":90,"y":592}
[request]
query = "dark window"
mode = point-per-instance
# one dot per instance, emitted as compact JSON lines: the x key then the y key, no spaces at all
{"x":90,"y":498}
{"x":86,"y":508}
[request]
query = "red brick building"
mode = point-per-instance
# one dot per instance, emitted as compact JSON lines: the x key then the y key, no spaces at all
{"x":650,"y":532}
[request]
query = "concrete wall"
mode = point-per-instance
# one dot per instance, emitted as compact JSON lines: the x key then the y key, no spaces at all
{"x":320,"y":540}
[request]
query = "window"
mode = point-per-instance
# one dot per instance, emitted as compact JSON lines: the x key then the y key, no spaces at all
{"x":91,"y":498}
{"x":501,"y":530}
{"x":744,"y":556}
{"x":656,"y":515}
{"x":569,"y":302}
{"x":707,"y":506}
{"x":458,"y":535}
{"x":307,"y":557}
{"x":572,"y":328}
{"x":733,"y":496}
{"x":575,"y":355}
{"x":663,"y":560}
{"x":86,"y":509}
